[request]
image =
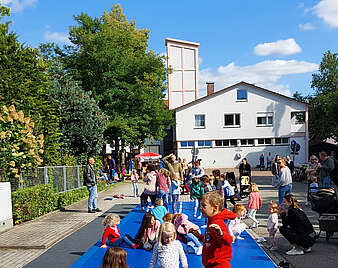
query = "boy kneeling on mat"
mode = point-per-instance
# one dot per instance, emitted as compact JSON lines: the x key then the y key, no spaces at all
{"x":217,"y":242}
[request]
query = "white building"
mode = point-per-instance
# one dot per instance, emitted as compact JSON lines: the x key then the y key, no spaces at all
{"x":239,"y":121}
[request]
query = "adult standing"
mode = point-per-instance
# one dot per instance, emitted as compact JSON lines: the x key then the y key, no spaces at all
{"x":269,"y":160}
{"x":174,"y":166}
{"x":275,"y":169}
{"x":245,"y":168}
{"x":89,"y":180}
{"x":326,"y":165}
{"x":111,"y":167}
{"x":150,"y":187}
{"x":284,"y":184}
{"x":290,"y":164}
{"x":261,"y":162}
{"x":296,"y":228}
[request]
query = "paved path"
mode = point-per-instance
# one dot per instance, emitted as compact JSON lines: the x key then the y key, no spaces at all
{"x":24,"y":243}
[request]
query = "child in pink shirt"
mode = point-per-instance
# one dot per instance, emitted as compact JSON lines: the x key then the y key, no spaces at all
{"x":255,"y":203}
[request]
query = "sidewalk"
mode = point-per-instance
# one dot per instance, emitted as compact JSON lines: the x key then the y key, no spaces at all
{"x":24,"y":243}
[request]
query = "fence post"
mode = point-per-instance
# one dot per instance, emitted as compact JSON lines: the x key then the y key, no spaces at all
{"x":45,"y":175}
{"x":78,"y":176}
{"x":64,"y":179}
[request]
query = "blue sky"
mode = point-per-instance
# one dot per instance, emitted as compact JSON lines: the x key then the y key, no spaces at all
{"x":274,"y":44}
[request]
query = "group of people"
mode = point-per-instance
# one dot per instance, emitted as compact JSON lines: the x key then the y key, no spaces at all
{"x":161,"y":231}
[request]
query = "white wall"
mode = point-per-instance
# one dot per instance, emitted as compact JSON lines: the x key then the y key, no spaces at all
{"x":214,"y":108}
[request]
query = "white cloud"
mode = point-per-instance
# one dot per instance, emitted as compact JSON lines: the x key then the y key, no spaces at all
{"x":57,"y":37}
{"x":281,"y":47}
{"x":265,"y":74}
{"x":306,"y":27}
{"x":17,"y":5}
{"x":328,"y":11}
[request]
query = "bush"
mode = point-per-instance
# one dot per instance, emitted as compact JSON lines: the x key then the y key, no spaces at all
{"x":33,"y":202}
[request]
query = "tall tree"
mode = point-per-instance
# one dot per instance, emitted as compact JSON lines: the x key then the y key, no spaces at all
{"x":110,"y":58}
{"x":324,"y":106}
{"x":23,"y":82}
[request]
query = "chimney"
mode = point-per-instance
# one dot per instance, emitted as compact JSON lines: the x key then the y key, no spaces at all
{"x":210,"y":88}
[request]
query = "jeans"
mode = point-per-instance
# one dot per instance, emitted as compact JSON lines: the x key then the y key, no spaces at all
{"x":122,"y":241}
{"x":135,"y":187}
{"x":326,"y":182}
{"x":282,"y":191}
{"x":144,"y":199}
{"x":174,"y":204}
{"x":92,"y":199}
{"x":268,"y":165}
{"x":193,"y":243}
{"x":196,"y":207}
{"x":164,"y":196}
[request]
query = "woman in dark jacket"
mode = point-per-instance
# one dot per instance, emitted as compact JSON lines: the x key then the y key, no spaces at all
{"x":244,"y":168}
{"x":296,"y":228}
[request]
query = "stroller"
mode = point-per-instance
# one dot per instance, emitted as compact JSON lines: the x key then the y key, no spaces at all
{"x":325,"y":202}
{"x":231,"y":178}
{"x":244,"y":185}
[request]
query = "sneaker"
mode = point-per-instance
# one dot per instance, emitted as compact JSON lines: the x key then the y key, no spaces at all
{"x":204,"y":226}
{"x":199,"y":217}
{"x":135,"y":246}
{"x":199,"y":251}
{"x":307,"y":250}
{"x":296,"y":251}
{"x":240,"y":238}
{"x":91,"y":211}
{"x":97,"y":210}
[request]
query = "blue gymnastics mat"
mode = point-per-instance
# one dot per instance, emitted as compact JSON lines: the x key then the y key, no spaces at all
{"x":245,"y":252}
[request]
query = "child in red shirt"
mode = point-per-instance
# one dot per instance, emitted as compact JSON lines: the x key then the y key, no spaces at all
{"x":217,"y":242}
{"x":113,"y":233}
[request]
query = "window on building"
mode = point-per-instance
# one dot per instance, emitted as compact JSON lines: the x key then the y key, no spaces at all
{"x":264,"y":119}
{"x":285,"y":140}
{"x":204,"y":143}
{"x":187,"y":144}
{"x":222,"y":143}
{"x":233,"y":142}
{"x":246,"y":142}
{"x":199,"y":121}
{"x":297,"y":118}
{"x":267,"y":141}
{"x":232,"y":120}
{"x":281,"y":140}
{"x":242,"y":94}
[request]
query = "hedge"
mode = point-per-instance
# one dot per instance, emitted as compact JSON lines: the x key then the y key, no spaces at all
{"x":33,"y":202}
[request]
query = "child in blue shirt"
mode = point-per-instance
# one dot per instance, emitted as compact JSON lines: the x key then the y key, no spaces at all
{"x":159,"y":210}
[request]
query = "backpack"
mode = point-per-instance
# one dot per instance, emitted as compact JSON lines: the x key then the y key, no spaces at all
{"x":334,"y":174}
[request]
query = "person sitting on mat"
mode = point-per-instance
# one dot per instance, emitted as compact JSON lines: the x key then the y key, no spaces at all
{"x":113,"y":233}
{"x":115,"y":258}
{"x":159,"y":210}
{"x":168,"y":251}
{"x":236,"y":227}
{"x":184,"y":227}
{"x":217,"y":242}
{"x":296,"y":228}
{"x":147,"y":233}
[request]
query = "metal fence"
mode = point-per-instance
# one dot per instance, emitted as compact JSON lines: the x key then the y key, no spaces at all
{"x":63,"y":178}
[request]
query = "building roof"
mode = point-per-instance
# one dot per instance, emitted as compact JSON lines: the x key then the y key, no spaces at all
{"x":219,"y":92}
{"x":181,"y":42}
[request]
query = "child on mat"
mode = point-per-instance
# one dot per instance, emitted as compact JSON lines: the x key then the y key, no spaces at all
{"x":134,"y":180}
{"x":227,"y":190}
{"x":272,"y":224}
{"x":196,"y":192}
{"x":236,"y":227}
{"x":115,"y":258}
{"x":175,"y":191}
{"x":184,"y":227}
{"x":147,"y":233}
{"x":112,"y":232}
{"x":168,"y":251}
{"x":207,"y":188}
{"x":254,"y":203}
{"x":217,"y":242}
{"x":159,"y":210}
{"x":168,"y":217}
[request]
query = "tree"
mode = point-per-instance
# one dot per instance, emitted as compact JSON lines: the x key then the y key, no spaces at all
{"x":20,"y":146}
{"x":324,"y":105}
{"x":23,"y":82}
{"x":82,"y":123}
{"x":110,"y":58}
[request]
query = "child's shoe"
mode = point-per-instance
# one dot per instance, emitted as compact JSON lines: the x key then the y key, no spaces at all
{"x":135,"y":246}
{"x":121,"y":196}
{"x":199,"y":251}
{"x":199,"y":217}
{"x":240,"y":238}
{"x":115,"y":196}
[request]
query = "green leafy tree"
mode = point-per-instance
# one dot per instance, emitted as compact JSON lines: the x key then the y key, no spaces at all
{"x":324,"y":105}
{"x":110,"y":58}
{"x":24,"y":82}
{"x":82,"y":123}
